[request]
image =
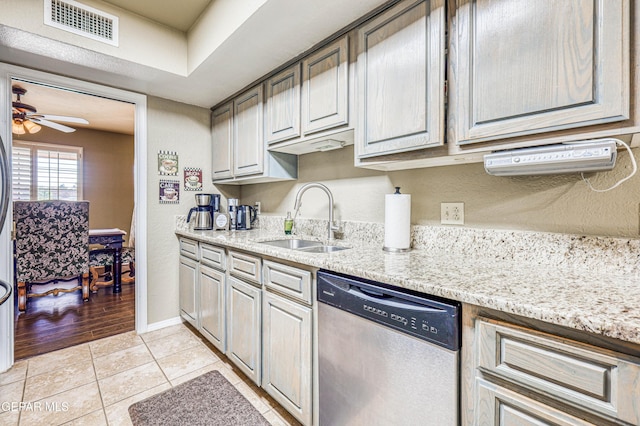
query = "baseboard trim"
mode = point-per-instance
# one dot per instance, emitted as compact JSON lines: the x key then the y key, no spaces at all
{"x":162,"y":324}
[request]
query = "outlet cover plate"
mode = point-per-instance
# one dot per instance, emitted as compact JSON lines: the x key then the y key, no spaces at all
{"x":452,"y":213}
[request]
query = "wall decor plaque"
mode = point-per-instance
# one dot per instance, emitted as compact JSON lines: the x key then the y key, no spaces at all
{"x":169,"y":191}
{"x":192,"y":179}
{"x":168,"y":163}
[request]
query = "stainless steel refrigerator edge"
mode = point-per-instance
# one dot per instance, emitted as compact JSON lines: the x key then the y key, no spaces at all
{"x":5,"y":288}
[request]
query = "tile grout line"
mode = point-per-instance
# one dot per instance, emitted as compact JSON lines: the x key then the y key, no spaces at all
{"x":95,"y":372}
{"x":154,"y":360}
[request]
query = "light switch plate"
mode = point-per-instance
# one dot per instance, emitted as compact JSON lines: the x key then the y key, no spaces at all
{"x":452,"y":213}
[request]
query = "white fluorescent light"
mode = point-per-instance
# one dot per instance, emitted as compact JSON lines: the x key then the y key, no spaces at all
{"x":592,"y":156}
{"x":327,"y":145}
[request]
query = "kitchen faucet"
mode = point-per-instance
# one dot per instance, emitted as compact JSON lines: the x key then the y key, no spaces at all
{"x":298,"y":204}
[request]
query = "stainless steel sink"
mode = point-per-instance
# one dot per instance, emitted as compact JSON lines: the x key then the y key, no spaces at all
{"x":308,"y":246}
{"x":323,"y":249}
{"x":293,"y":244}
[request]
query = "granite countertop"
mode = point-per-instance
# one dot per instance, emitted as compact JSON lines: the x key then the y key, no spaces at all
{"x":596,"y":297}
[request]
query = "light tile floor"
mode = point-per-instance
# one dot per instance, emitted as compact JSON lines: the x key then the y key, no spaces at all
{"x":95,"y":383}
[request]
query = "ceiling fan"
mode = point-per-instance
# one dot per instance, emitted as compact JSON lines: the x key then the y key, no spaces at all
{"x":26,"y":118}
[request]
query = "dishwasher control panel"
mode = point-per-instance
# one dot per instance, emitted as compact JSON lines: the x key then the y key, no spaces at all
{"x":432,"y":320}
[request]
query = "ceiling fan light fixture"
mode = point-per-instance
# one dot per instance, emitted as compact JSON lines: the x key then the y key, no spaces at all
{"x":31,"y":127}
{"x":17,"y":128}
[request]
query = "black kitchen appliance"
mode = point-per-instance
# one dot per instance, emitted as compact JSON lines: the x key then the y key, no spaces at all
{"x":245,"y":216}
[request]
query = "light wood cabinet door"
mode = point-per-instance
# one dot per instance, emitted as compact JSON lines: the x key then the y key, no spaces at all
{"x":222,"y":140}
{"x":498,"y":406}
{"x":187,"y":288}
{"x":400,"y":70}
{"x":325,"y":85}
{"x":244,"y":324}
{"x":585,"y":377}
{"x":212,"y":306}
{"x":283,"y":105}
{"x":248,"y":142}
{"x":531,"y":67}
{"x":287,"y":372}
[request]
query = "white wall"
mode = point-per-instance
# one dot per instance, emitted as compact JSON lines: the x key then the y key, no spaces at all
{"x":141,"y":40}
{"x":218,"y":21}
{"x":185,"y":129}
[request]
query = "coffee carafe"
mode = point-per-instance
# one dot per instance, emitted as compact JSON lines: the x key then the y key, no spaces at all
{"x":245,"y":217}
{"x":207,"y":204}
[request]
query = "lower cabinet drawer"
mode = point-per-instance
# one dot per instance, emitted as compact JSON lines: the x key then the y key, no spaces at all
{"x":500,"y":406}
{"x":291,"y":281}
{"x":189,"y":248}
{"x":589,"y":378}
{"x":213,"y":256}
{"x":245,"y":266}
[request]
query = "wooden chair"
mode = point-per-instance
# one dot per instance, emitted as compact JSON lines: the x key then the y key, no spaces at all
{"x":100,"y":267}
{"x":51,"y":246}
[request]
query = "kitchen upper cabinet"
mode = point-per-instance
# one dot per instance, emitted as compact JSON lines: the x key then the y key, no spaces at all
{"x":239,"y":152}
{"x":222,"y":142}
{"x":187,"y":289}
{"x":244,"y":322}
{"x":400,"y":69}
{"x":303,"y":114}
{"x":283,"y":105}
{"x":212,"y":306}
{"x":287,"y":372}
{"x":248,"y":142}
{"x":527,"y":67}
{"x":325,"y":85}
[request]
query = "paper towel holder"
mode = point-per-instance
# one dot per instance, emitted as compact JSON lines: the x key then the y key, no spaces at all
{"x":393,"y":249}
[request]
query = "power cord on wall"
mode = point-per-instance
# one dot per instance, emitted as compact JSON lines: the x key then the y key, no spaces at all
{"x":617,"y":184}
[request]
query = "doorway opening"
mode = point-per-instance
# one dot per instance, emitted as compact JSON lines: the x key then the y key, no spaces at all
{"x":103,"y":175}
{"x":72,"y":146}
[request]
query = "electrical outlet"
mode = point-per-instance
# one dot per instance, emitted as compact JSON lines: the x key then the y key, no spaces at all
{"x":257,"y":206}
{"x":452,"y":213}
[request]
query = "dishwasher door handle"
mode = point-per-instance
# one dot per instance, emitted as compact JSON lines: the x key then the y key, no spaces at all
{"x":392,"y":301}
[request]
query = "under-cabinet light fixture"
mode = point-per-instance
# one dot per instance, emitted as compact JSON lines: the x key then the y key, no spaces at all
{"x":574,"y":157}
{"x":327,"y":145}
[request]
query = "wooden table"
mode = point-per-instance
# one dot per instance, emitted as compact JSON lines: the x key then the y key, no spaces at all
{"x":111,"y":238}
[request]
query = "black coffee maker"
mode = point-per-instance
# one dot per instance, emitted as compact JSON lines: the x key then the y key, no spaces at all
{"x":207,"y":204}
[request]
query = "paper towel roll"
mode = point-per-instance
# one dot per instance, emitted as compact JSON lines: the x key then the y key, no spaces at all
{"x":397,"y":221}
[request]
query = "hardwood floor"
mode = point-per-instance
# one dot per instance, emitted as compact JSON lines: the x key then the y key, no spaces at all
{"x":53,"y":323}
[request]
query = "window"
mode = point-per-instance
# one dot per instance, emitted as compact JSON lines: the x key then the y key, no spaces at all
{"x":46,"y":172}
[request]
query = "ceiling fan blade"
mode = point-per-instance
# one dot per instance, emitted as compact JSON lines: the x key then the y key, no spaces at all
{"x":53,"y":125}
{"x":63,"y":118}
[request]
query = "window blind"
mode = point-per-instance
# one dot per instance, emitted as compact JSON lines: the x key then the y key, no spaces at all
{"x":57,"y":175}
{"x":21,"y":173}
{"x":46,"y":172}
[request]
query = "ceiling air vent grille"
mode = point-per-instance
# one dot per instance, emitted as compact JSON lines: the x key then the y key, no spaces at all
{"x":81,"y":19}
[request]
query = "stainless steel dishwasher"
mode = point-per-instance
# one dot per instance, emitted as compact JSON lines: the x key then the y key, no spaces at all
{"x":386,"y":356}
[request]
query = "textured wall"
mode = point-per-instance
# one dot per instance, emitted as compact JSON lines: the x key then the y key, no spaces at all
{"x":560,"y":203}
{"x":185,"y":129}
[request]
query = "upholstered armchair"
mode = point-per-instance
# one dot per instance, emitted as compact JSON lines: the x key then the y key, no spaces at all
{"x":51,"y":245}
